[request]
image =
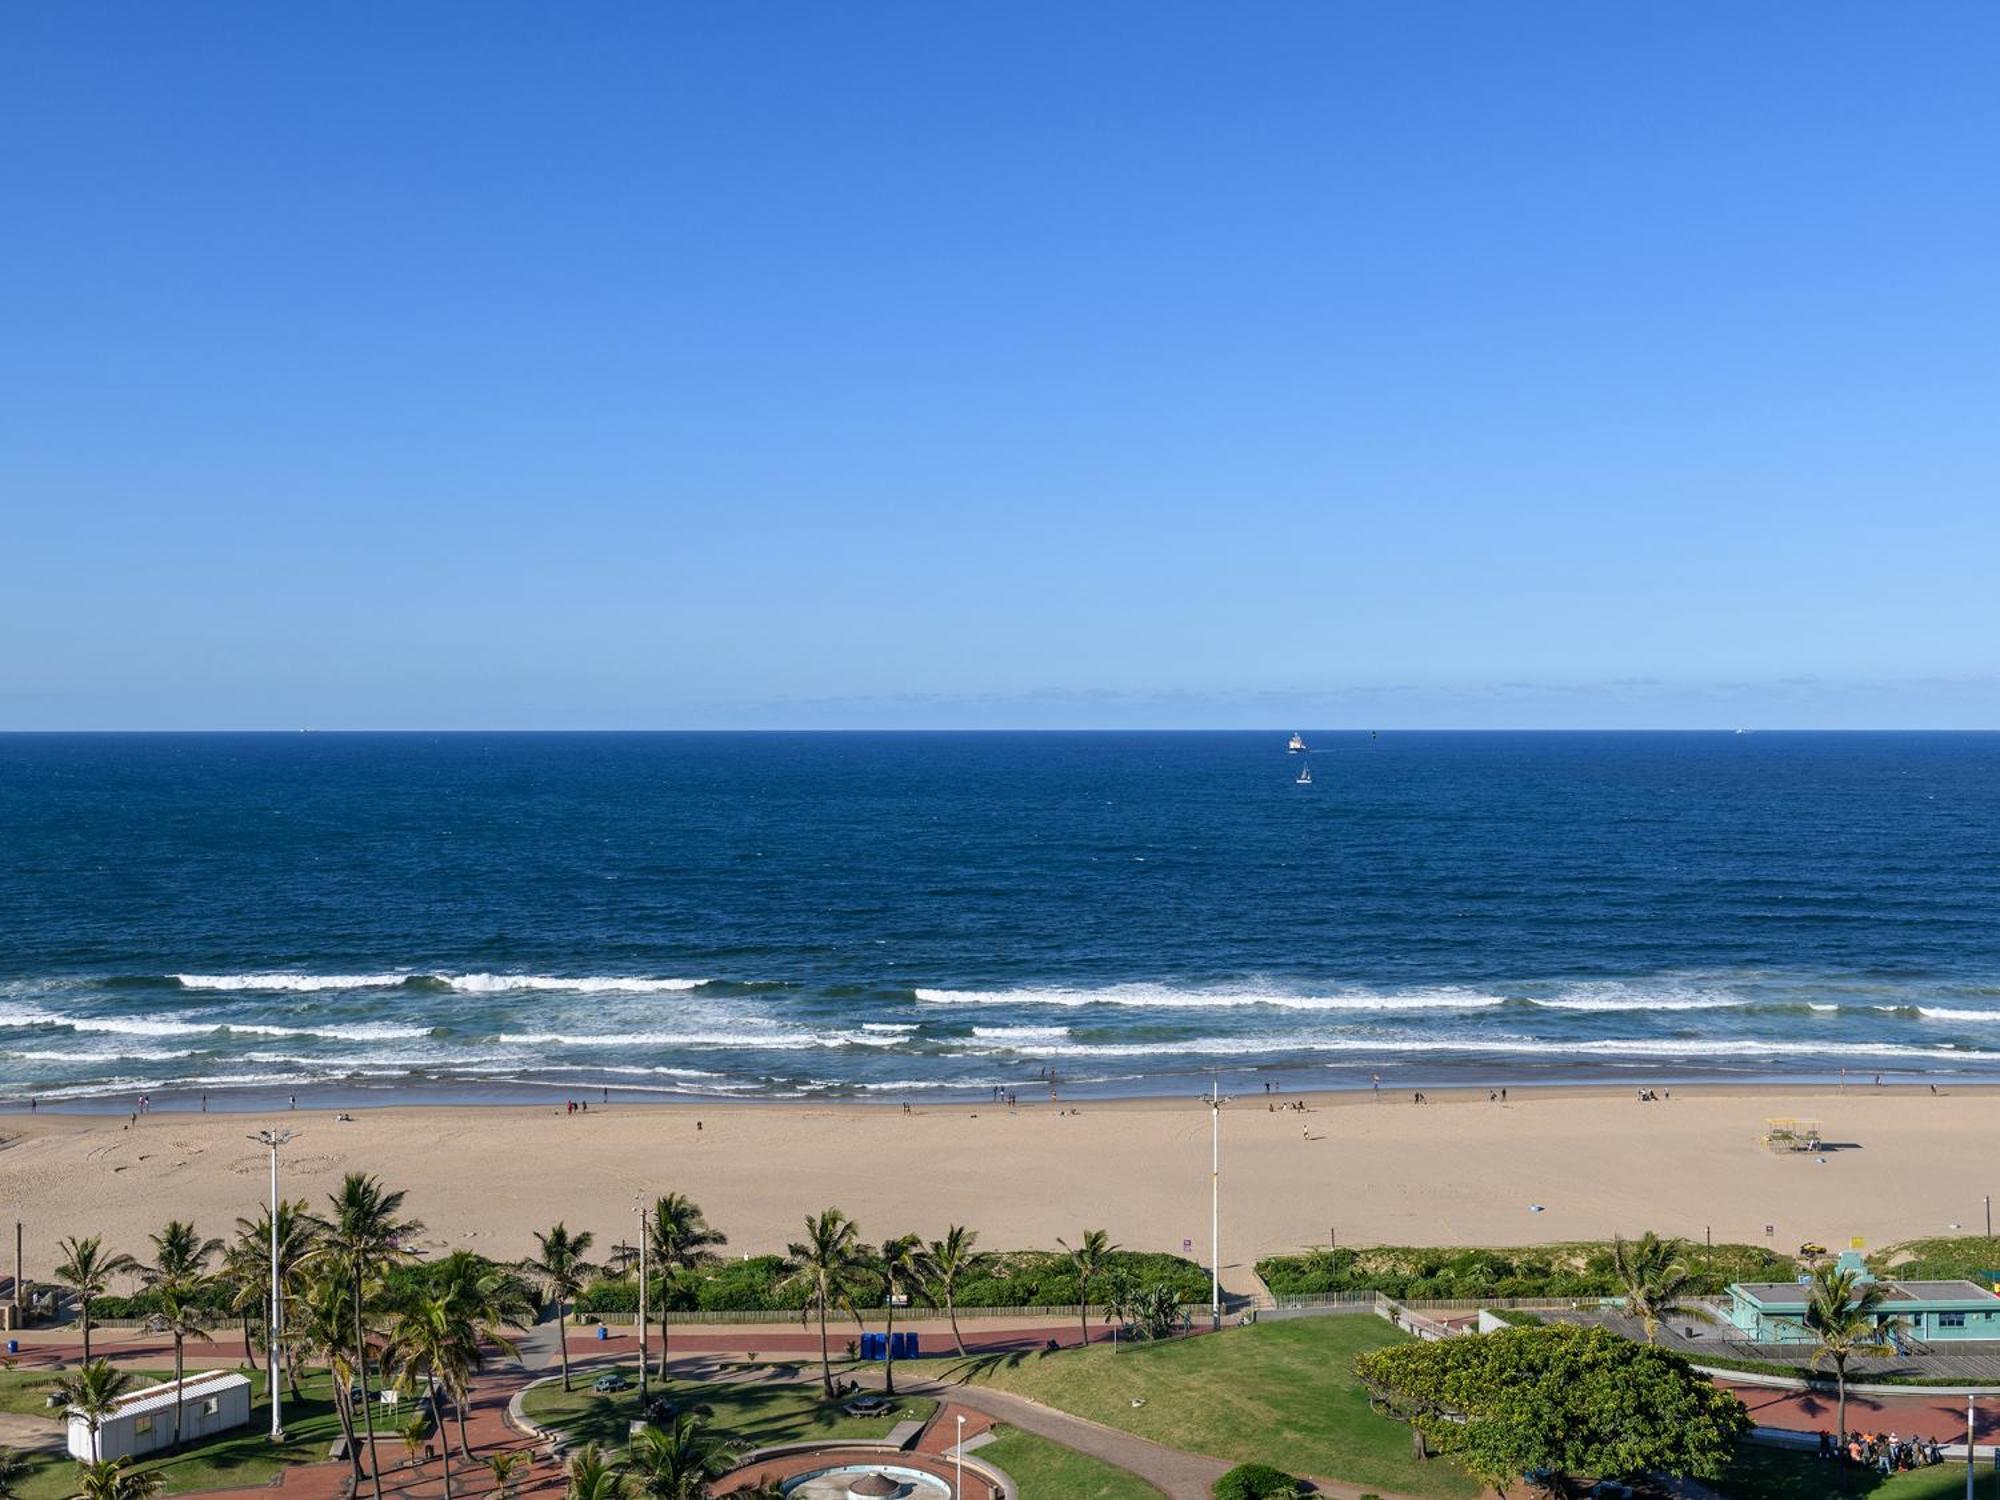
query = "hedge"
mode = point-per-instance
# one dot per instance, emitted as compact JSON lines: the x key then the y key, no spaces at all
{"x":1013,"y":1278}
{"x":1581,"y":1269}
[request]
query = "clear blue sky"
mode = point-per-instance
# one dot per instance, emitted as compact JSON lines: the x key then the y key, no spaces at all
{"x":935,"y":364}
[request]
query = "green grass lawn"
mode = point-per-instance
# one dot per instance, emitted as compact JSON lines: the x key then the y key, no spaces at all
{"x":1281,"y":1393}
{"x":1049,"y":1471}
{"x":242,"y":1457}
{"x":753,"y":1414}
{"x":1761,"y":1473}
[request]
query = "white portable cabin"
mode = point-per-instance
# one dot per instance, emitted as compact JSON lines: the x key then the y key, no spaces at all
{"x":143,"y":1422}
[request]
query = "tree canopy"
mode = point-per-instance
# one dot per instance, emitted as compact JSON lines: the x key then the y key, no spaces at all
{"x":1558,"y":1405}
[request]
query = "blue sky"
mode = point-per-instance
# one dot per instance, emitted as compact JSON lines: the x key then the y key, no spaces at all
{"x":881,"y":364}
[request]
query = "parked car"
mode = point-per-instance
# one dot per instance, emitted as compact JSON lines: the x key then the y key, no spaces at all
{"x":613,"y":1381}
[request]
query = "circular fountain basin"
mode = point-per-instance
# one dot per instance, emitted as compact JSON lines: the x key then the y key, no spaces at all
{"x":867,"y":1482}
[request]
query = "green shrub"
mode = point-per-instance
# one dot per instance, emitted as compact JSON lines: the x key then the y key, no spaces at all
{"x":1013,"y":1278}
{"x":1257,"y":1482}
{"x":1578,"y":1270}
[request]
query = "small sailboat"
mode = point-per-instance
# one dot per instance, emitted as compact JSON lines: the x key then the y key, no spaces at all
{"x":1297,"y":744}
{"x":1305,"y":777}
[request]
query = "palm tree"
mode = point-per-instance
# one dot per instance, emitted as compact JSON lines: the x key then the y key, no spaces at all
{"x":13,"y":1469}
{"x":365,"y":1235}
{"x":678,"y":1461}
{"x":1089,"y":1258}
{"x":92,"y":1392}
{"x":432,"y":1341}
{"x":504,"y":1466}
{"x":177,"y":1278}
{"x":1655,"y":1279}
{"x":1120,"y":1301}
{"x":484,"y":1299}
{"x":829,"y":1264}
{"x":947,"y":1262}
{"x":900,"y":1262}
{"x":246,"y":1270}
{"x":320,"y":1330}
{"x":1844,"y":1316}
{"x":679,"y":1241}
{"x":593,"y":1477}
{"x":560,"y":1264}
{"x":86,"y":1269}
{"x":116,"y":1480}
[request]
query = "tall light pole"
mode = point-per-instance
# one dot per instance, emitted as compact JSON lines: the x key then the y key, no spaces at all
{"x":644,"y":1358}
{"x":274,"y":1139}
{"x":958,"y":1490}
{"x":1215,"y":1203}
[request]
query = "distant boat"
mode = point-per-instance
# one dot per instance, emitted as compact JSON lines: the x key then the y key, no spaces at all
{"x":1297,"y":744}
{"x":1305,"y":775}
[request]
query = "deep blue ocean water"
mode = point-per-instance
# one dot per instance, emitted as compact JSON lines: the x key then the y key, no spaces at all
{"x":893,"y":915}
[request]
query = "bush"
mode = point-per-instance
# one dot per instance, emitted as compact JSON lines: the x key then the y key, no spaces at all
{"x":1014,"y":1278}
{"x":1579,"y":1270}
{"x":1257,"y":1482}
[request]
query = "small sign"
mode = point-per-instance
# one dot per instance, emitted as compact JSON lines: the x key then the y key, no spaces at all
{"x":1186,"y":1246}
{"x":1857,"y":1243}
{"x":1770,"y":1229}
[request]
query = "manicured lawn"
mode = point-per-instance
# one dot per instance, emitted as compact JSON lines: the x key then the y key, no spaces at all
{"x":243,"y":1457}
{"x":1281,"y":1393}
{"x":752,"y":1413}
{"x":25,"y":1392}
{"x":1046,"y":1470}
{"x":1761,"y":1473}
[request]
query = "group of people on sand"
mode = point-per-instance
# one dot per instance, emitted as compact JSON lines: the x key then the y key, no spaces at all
{"x":1884,"y":1453}
{"x":1654,"y":1096}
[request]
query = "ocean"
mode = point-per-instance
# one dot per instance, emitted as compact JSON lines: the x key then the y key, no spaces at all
{"x":384,"y":917}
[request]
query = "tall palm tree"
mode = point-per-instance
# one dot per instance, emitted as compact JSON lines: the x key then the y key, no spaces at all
{"x":177,"y":1278}
{"x":678,"y":1461}
{"x":946,"y":1263}
{"x":592,"y":1475}
{"x":900,"y":1262}
{"x":1844,"y":1317}
{"x":319,"y":1329}
{"x":364,"y":1234}
{"x":1090,"y":1257}
{"x":679,"y":1242}
{"x":1656,"y":1280}
{"x":116,"y":1480}
{"x":86,"y":1268}
{"x":246,"y":1270}
{"x":559,"y":1262}
{"x":92,"y":1392}
{"x":431,"y":1341}
{"x":484,"y":1300}
{"x":830,"y":1265}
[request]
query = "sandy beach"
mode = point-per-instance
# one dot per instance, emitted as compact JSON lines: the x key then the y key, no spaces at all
{"x":1459,"y":1170}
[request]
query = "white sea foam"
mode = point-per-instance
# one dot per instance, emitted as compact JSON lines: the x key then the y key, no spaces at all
{"x":1168,"y":997}
{"x":470,"y":984}
{"x":761,"y":1040}
{"x":184,"y":1024}
{"x":889,"y":1026}
{"x":1021,"y":1033}
{"x":591,"y":984}
{"x":288,"y":982}
{"x":1608,"y":1004}
{"x":1948,"y":1013}
{"x":1817,"y":1005}
{"x":1648,"y":1047}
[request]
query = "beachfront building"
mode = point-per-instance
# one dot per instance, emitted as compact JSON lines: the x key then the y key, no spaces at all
{"x":1773,"y":1312}
{"x":143,"y":1420}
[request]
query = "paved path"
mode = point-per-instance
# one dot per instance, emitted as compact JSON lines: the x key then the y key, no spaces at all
{"x":1914,"y":1415}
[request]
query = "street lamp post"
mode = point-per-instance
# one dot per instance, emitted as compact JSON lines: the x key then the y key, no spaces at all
{"x":645,"y":1358}
{"x":274,"y":1139}
{"x":1214,"y":1102}
{"x":958,"y":1453}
